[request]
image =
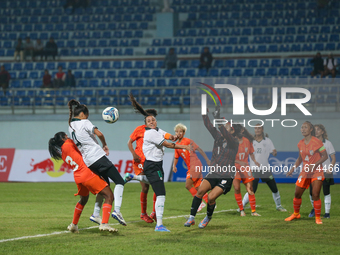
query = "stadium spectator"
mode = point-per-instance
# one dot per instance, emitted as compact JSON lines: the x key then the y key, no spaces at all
{"x":205,"y":59}
{"x":59,"y":79}
{"x":330,"y":65}
{"x":19,"y":50}
{"x":70,"y":81}
{"x":47,"y":80}
{"x":29,"y":47}
{"x":76,"y":4}
{"x":4,"y":79}
{"x":51,"y":49}
{"x":38,"y":49}
{"x":170,"y":61}
{"x":318,"y":65}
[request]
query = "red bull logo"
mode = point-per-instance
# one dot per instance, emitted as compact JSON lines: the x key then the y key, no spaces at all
{"x":54,"y":168}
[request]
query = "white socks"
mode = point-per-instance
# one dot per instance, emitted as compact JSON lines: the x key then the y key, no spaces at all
{"x":160,"y":209}
{"x":328,"y":203}
{"x":311,"y":200}
{"x":245,"y":199}
{"x":98,"y":205}
{"x":118,"y":196}
{"x":277,"y":199}
{"x":141,"y":178}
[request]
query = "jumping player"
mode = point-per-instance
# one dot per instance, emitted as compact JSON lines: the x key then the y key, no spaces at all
{"x":243,"y":173}
{"x":84,"y":133}
{"x":61,"y":147}
{"x":194,"y":178}
{"x":263,"y":147}
{"x":138,"y":163}
{"x":321,"y":134}
{"x":223,"y":155}
{"x":312,"y":154}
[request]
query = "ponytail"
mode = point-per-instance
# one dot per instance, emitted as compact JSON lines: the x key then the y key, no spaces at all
{"x":55,"y":143}
{"x":79,"y":108}
{"x":247,"y":135}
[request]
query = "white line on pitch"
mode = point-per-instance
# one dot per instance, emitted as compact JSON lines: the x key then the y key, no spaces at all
{"x":66,"y":232}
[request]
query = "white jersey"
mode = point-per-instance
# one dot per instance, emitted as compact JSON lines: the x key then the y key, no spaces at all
{"x":152,"y":146}
{"x":330,"y":151}
{"x":83,"y":136}
{"x":262,"y":151}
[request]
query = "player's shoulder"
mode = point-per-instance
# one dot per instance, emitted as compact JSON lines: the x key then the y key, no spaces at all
{"x":246,"y":140}
{"x":140,"y":129}
{"x":301,"y":142}
{"x":316,"y":141}
{"x":186,"y":140}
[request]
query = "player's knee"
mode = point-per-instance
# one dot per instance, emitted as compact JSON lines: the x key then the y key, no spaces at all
{"x":211,"y":200}
{"x":145,"y":188}
{"x":83,"y":200}
{"x":188,"y":186}
{"x":200,"y":193}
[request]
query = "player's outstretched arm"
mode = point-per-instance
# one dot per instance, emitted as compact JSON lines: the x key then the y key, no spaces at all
{"x":102,"y":139}
{"x":204,"y":155}
{"x":136,"y":158}
{"x":296,"y":165}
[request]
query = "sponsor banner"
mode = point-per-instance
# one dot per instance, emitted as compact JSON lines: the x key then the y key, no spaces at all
{"x":6,"y":160}
{"x":38,"y":166}
{"x":281,"y":164}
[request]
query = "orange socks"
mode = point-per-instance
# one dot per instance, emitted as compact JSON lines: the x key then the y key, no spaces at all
{"x":77,"y":212}
{"x":143,"y":199}
{"x":297,"y":204}
{"x":317,"y":208}
{"x":154,"y":202}
{"x":252,"y":202}
{"x":193,"y":191}
{"x":106,"y":213}
{"x":205,"y":198}
{"x":238,"y":198}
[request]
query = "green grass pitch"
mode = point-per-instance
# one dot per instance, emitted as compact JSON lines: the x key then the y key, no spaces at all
{"x":32,"y":209}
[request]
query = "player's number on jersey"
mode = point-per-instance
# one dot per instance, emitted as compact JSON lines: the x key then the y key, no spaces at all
{"x":74,"y":138}
{"x":73,"y":164}
{"x":300,"y":178}
{"x":306,"y":158}
{"x":183,"y":155}
{"x":241,"y":155}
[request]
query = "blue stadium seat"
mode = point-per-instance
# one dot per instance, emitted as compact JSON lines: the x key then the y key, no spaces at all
{"x":260,"y":71}
{"x":237,"y":72}
{"x":88,"y":74}
{"x":283,"y":72}
{"x":248,"y":72}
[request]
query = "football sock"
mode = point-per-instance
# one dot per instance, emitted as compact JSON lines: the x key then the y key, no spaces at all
{"x":194,"y":206}
{"x":160,"y":209}
{"x":297,"y":204}
{"x":106,"y":213}
{"x":317,"y":208}
{"x":98,"y":205}
{"x":154,"y":202}
{"x":143,"y":201}
{"x":238,"y":198}
{"x":141,"y":178}
{"x":77,"y":212}
{"x":328,"y":201}
{"x":311,"y":200}
{"x":193,"y":191}
{"x":210,"y":210}
{"x":118,"y":195}
{"x":205,"y":198}
{"x":252,"y":202}
{"x":277,"y":199}
{"x":245,"y":199}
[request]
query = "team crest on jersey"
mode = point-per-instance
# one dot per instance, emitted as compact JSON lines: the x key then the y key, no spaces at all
{"x":311,"y":152}
{"x":224,"y":145}
{"x":246,"y":149}
{"x":223,"y":181}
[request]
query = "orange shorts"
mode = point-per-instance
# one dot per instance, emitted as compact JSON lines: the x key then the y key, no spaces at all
{"x":245,"y":175}
{"x":138,"y":167}
{"x":95,"y":185}
{"x":197,"y":181}
{"x":304,"y":180}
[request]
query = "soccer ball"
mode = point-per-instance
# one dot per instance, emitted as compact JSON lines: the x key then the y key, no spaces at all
{"x":110,"y":115}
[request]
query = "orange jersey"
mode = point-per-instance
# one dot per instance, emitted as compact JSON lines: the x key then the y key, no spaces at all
{"x":244,"y":149}
{"x":72,"y":156}
{"x":310,"y":153}
{"x":186,"y":155}
{"x":138,"y":136}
